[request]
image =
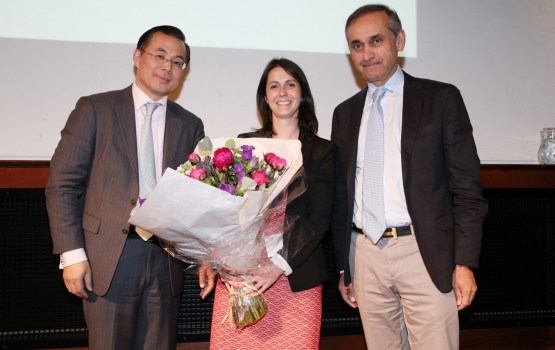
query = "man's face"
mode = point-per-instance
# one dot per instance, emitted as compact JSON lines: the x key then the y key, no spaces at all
{"x":373,"y":47}
{"x":154,"y":78}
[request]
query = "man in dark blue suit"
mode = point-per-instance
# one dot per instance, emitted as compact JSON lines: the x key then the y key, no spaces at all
{"x":409,"y":273}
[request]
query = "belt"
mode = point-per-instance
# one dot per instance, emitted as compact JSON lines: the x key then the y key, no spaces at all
{"x":391,"y":231}
{"x":134,"y":235}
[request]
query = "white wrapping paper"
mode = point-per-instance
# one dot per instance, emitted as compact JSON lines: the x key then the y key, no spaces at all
{"x":194,"y":216}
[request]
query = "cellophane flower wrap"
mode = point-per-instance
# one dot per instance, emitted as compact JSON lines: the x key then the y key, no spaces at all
{"x":213,"y":209}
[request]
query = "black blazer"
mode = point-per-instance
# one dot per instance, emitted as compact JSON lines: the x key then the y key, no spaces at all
{"x":314,"y":207}
{"x":441,"y":177}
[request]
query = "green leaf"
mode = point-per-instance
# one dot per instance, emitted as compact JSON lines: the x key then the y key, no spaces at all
{"x":230,"y":143}
{"x":248,"y":184}
{"x":205,"y":144}
{"x":221,"y":177}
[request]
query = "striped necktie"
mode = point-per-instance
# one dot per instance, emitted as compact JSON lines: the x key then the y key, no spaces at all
{"x":373,"y":211}
{"x":147,"y":166}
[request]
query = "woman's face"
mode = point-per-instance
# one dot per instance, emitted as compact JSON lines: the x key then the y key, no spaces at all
{"x":283,"y":94}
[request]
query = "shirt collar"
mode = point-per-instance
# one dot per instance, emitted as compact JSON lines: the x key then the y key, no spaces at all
{"x":140,"y":98}
{"x":394,"y":84}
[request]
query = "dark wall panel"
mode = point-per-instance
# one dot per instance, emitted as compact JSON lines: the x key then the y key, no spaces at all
{"x":516,"y":280}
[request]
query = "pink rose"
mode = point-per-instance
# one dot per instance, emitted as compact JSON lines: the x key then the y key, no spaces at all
{"x":194,"y":158}
{"x":268,"y":157}
{"x":278,"y":163}
{"x":197,"y":174}
{"x":260,"y":177}
{"x":223,"y":157}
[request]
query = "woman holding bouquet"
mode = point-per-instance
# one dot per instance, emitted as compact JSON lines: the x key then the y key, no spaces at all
{"x":293,"y":290}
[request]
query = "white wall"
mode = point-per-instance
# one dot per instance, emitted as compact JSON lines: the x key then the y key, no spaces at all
{"x":497,"y":52}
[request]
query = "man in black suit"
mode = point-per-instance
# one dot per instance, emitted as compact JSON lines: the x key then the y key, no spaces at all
{"x":131,"y":287}
{"x":406,"y":247}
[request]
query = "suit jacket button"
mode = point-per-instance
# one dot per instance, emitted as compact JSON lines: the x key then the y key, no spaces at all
{"x":133,"y":202}
{"x":125,"y":231}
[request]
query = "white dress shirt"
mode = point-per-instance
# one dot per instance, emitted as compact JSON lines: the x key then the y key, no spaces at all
{"x":396,"y":213}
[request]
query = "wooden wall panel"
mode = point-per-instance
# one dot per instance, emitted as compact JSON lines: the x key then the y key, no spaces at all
{"x":24,"y":174}
{"x":34,"y":174}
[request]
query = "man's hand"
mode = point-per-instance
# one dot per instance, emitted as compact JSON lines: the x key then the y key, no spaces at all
{"x":464,"y":286}
{"x":77,"y":277}
{"x":206,"y":280}
{"x":347,"y":292}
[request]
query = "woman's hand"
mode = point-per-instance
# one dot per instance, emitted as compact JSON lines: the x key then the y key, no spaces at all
{"x":264,"y":276}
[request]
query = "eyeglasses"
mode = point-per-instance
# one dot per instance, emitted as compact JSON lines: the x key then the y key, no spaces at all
{"x":161,"y":59}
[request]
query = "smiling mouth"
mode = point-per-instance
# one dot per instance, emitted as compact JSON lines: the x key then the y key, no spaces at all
{"x":370,"y":64}
{"x":163,"y":79}
{"x":283,"y":103}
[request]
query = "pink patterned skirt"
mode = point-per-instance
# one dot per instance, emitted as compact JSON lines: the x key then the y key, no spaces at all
{"x":292,"y":322}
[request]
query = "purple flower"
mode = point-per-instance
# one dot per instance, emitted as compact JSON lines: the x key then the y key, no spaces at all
{"x":198,"y":174}
{"x":260,"y":177}
{"x":206,"y":166}
{"x":194,"y":158}
{"x":240,"y":172}
{"x":228,"y":188}
{"x":247,"y":152}
{"x":253,"y":161}
{"x":223,"y":157}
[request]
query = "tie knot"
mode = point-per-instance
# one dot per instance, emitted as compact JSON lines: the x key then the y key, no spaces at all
{"x":150,"y":107}
{"x":378,"y":94}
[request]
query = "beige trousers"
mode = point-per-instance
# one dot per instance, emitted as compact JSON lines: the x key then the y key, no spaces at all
{"x":399,"y":305}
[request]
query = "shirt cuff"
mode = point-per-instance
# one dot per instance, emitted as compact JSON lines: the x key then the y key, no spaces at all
{"x":72,"y":257}
{"x":280,"y":262}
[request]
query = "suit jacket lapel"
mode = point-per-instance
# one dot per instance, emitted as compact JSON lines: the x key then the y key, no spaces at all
{"x":352,"y":127}
{"x":172,"y":135}
{"x":413,"y":96}
{"x":125,"y":111}
{"x":306,"y":145}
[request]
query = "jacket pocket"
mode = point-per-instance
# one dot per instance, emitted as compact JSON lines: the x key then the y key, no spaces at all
{"x":91,"y":223}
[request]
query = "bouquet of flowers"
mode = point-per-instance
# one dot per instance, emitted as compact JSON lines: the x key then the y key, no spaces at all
{"x":220,"y":224}
{"x":231,"y":169}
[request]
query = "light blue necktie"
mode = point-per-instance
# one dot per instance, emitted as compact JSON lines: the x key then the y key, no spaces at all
{"x":147,"y":166}
{"x":373,"y":211}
